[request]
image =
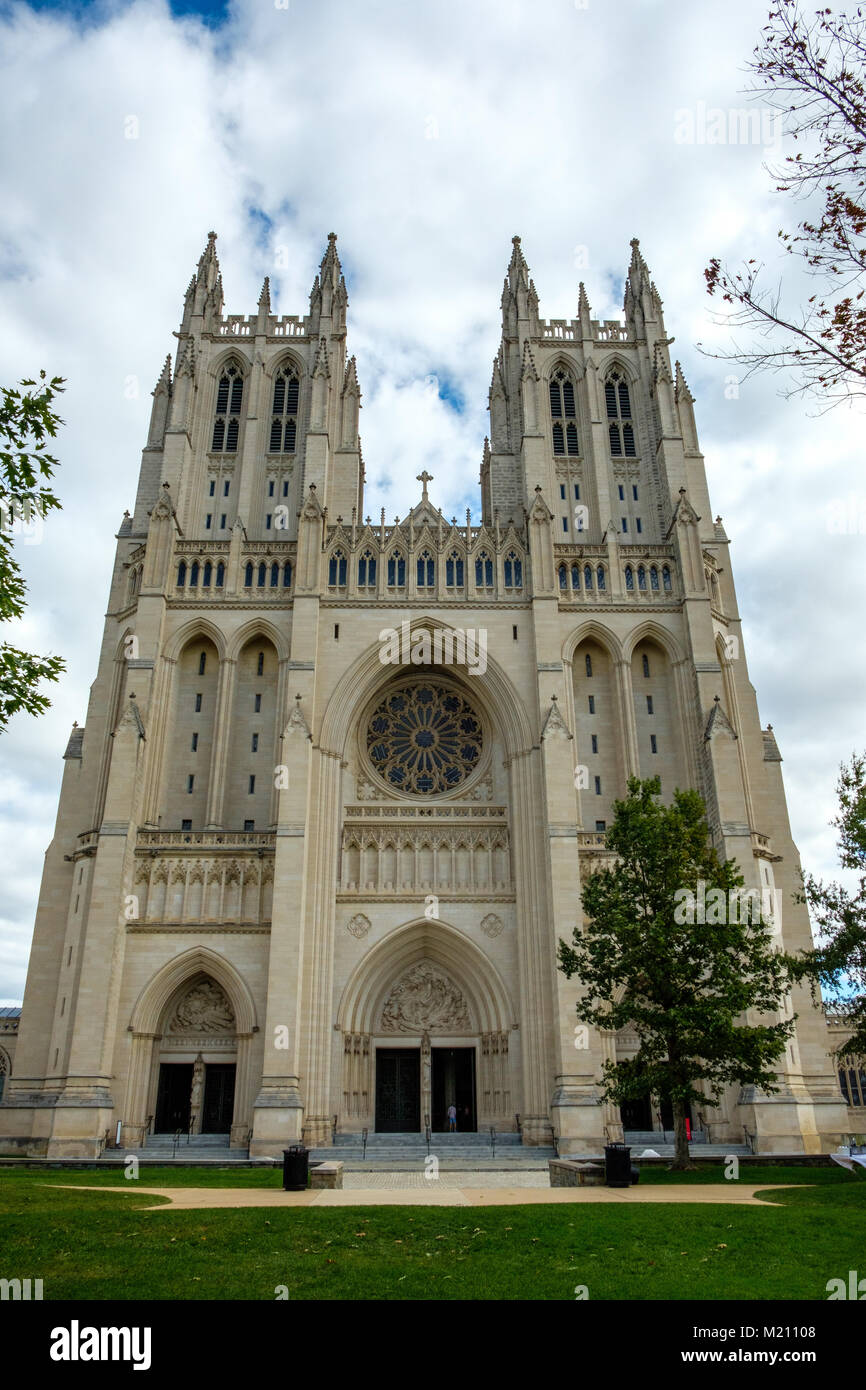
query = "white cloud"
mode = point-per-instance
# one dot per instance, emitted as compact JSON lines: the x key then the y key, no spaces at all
{"x":426,"y":137}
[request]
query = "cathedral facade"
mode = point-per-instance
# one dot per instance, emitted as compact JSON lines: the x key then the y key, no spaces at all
{"x":340,"y":776}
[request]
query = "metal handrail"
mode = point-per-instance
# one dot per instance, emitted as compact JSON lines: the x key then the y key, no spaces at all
{"x":492,"y":1141}
{"x":175,"y":1142}
{"x":364,"y":1143}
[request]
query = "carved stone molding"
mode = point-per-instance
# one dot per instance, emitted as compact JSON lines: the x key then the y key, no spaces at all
{"x":491,"y":925}
{"x":359,"y":925}
{"x":425,"y":999}
{"x":203,"y":1009}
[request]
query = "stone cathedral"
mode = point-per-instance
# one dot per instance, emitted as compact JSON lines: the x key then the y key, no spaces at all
{"x":340,"y":776}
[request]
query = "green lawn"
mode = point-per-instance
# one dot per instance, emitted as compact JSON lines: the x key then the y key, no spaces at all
{"x":100,"y":1245}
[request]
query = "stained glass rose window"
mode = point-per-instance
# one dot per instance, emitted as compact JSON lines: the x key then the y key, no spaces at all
{"x":424,"y":738}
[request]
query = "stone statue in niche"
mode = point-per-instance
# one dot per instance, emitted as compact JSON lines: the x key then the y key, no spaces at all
{"x":196,"y":1095}
{"x":426,"y":1078}
{"x":425,"y":1000}
{"x":204,"y":1009}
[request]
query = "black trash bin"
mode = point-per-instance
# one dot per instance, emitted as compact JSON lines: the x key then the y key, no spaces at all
{"x":617,"y":1165}
{"x":296,"y":1164}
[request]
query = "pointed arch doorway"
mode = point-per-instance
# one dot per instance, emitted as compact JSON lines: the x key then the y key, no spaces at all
{"x":425,"y":1023}
{"x":190,"y":1065}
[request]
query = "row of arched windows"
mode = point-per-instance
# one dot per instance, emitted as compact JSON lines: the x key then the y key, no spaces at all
{"x":261,"y":572}
{"x":592,"y":577}
{"x":425,"y":572}
{"x":563,"y":415}
{"x":637,"y":578}
{"x":644,"y":579}
{"x":203,"y":574}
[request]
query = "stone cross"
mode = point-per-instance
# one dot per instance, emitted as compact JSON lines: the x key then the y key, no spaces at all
{"x":424,"y":478}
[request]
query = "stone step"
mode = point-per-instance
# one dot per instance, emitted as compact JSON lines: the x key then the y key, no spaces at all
{"x":704,"y":1151}
{"x":416,"y":1157}
{"x":204,"y":1156}
{"x":657,"y":1136}
{"x":466,"y":1140}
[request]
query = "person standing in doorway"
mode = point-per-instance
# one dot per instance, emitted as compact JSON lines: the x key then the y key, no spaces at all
{"x":452,"y":1118}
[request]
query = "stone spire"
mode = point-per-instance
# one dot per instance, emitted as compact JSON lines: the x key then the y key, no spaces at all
{"x":685,"y":409}
{"x":584,"y":313}
{"x":264,"y":309}
{"x":205,"y":288}
{"x":519,"y":296}
{"x":328,"y":297}
{"x":160,"y":408}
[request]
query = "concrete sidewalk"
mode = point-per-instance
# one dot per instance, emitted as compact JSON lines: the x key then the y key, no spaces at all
{"x":197,"y":1198}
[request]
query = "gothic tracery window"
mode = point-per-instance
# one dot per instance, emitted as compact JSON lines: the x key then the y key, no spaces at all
{"x":454,"y":571}
{"x":367,"y":570}
{"x":284,"y":412}
{"x":484,"y":571}
{"x":396,"y":570}
{"x":620,"y":428}
{"x":337,"y":570}
{"x":563,"y":413}
{"x":426,"y":570}
{"x":227,"y":421}
{"x":424,"y":738}
{"x":513,"y":571}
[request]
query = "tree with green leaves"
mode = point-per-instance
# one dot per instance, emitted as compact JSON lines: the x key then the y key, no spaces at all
{"x":27,"y":423}
{"x":673,"y":947}
{"x":838,"y":962}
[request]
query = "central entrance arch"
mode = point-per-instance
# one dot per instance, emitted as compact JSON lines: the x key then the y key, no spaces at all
{"x":425,"y":1022}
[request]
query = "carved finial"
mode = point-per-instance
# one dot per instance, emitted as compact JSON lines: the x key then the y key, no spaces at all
{"x":424,"y":478}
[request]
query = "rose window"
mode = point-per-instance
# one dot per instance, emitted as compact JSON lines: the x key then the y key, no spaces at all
{"x":424,"y":738}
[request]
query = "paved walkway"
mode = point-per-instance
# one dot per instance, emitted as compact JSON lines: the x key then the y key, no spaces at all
{"x":438,"y":1193}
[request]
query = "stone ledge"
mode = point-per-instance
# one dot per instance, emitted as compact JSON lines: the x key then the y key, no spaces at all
{"x":327,"y":1174}
{"x":568,"y":1172}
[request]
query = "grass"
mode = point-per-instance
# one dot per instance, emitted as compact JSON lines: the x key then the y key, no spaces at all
{"x":98,"y":1245}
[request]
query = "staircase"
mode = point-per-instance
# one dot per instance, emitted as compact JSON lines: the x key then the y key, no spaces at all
{"x":409,"y":1151}
{"x":662,"y":1143}
{"x":195,"y":1148}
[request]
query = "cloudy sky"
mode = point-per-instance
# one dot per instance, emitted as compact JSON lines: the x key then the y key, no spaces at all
{"x":426,"y":136}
